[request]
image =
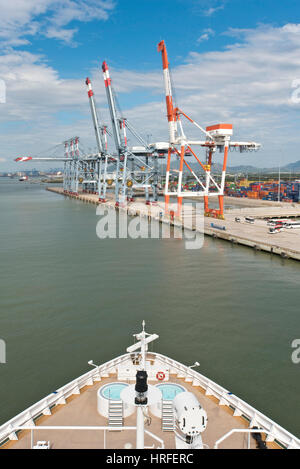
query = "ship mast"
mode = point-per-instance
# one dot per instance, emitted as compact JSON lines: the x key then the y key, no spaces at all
{"x":141,"y":388}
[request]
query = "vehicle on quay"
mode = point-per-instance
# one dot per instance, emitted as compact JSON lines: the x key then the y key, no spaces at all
{"x":249,"y":220}
{"x":275,"y":229}
{"x":292,"y":225}
{"x":277,"y":221}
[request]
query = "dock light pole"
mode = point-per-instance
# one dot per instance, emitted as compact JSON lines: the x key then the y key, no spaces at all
{"x":91,"y":363}
{"x":279,"y":184}
{"x":195,"y":365}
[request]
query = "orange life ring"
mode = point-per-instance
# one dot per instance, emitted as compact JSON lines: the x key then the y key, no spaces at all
{"x":160,"y":376}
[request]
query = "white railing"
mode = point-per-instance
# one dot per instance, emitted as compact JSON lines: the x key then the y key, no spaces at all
{"x":240,"y":408}
{"x":85,"y":428}
{"x":70,"y":428}
{"x":157,"y":439}
{"x":43,"y":407}
{"x":241,"y":430}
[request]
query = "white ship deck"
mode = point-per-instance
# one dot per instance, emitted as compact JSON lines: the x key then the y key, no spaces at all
{"x":81,"y":410}
{"x":75,"y":405}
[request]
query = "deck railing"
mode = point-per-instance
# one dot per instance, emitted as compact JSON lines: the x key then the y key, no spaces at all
{"x":240,"y":408}
{"x":247,"y":431}
{"x":33,"y":431}
{"x":44,"y":406}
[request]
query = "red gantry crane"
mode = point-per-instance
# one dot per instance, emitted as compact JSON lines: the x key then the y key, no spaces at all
{"x":216,"y":137}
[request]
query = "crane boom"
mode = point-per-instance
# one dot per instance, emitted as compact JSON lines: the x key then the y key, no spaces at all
{"x":117,"y":126}
{"x":101,"y":144}
{"x":168,"y":90}
{"x":112,"y":107}
{"x":94,"y":116}
{"x":218,"y":136}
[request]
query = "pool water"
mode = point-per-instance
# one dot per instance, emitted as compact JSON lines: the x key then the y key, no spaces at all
{"x":169,"y":391}
{"x":113,"y":391}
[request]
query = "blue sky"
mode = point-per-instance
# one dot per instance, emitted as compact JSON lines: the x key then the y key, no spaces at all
{"x":128,"y":38}
{"x":231,"y":61}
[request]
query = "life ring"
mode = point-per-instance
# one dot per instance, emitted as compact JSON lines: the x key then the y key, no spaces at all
{"x":160,"y":376}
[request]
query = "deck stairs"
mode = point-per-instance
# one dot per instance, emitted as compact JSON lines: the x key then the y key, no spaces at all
{"x":167,"y":420}
{"x":115,"y":413}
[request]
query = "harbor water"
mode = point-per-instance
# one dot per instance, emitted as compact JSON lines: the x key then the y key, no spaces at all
{"x":67,"y":297}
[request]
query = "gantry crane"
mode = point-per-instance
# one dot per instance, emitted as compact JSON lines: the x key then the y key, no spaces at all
{"x":122,"y":154}
{"x":216,"y":137}
{"x":101,"y":139}
{"x":141,"y":173}
{"x":78,"y":167}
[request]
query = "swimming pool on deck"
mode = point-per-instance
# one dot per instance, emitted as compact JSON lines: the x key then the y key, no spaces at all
{"x":169,"y":390}
{"x":112,"y":392}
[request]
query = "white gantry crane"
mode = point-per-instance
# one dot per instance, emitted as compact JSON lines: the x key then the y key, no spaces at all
{"x":78,"y":167}
{"x":101,"y":139}
{"x":136,"y":167}
{"x":215,"y":137}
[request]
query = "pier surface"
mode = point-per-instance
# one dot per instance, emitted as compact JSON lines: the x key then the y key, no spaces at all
{"x":257,"y":236}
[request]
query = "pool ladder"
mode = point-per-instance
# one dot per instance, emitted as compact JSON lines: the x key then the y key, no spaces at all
{"x":167,"y":419}
{"x":115,"y":413}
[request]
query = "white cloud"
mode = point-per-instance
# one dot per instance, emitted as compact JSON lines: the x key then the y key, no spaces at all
{"x":81,"y":10}
{"x":212,"y":10}
{"x":245,"y":84}
{"x":206,"y":34}
{"x":22,"y":19}
{"x":65,"y":35}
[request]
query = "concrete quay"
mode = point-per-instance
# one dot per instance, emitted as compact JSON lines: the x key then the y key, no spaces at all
{"x":257,"y":236}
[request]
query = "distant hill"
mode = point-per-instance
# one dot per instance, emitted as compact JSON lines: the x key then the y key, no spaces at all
{"x":242,"y":169}
{"x":248,"y":169}
{"x":293,"y":166}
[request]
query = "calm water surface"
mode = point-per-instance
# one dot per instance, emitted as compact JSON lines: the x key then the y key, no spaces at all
{"x":67,"y":297}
